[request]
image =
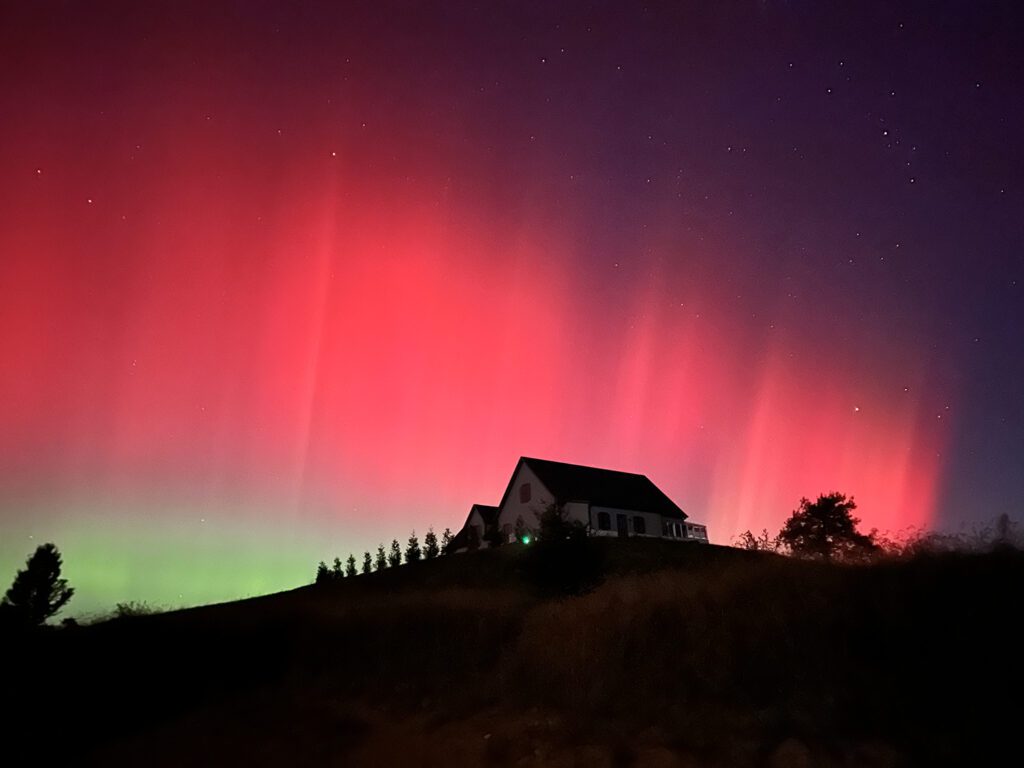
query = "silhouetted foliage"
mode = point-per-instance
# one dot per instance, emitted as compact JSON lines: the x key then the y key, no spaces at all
{"x":430,"y":548}
{"x":493,"y":535}
{"x":382,"y":559}
{"x":131,"y":609}
{"x":446,"y":539}
{"x":413,"y":553}
{"x":762,"y":542}
{"x":337,"y":571}
{"x":563,"y":560}
{"x":395,"y":555}
{"x":350,"y":567}
{"x":367,"y":563}
{"x":323,"y":573}
{"x":38,"y":591}
{"x":826,"y":529}
{"x":521,"y":531}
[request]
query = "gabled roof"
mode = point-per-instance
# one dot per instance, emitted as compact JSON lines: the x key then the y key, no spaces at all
{"x":488,"y":513}
{"x":599,"y":487}
{"x":490,"y":517}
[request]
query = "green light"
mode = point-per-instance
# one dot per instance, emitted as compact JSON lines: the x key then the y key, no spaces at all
{"x":526,"y":539}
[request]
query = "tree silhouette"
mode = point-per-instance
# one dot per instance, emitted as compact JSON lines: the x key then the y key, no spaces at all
{"x":382,"y":559}
{"x":395,"y":555}
{"x":367,"y":562}
{"x":350,"y":567}
{"x":826,"y":529}
{"x":446,"y":539}
{"x":430,"y":550}
{"x":38,"y":591}
{"x":337,"y":573}
{"x":323,"y":573}
{"x":413,"y":553}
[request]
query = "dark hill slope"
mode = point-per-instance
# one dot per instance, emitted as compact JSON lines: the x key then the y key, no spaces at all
{"x":701,"y":654}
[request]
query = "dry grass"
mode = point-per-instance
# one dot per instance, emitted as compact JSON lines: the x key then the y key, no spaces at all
{"x":705,"y":655}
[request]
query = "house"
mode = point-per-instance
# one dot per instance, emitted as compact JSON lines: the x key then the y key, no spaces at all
{"x":605,"y":501}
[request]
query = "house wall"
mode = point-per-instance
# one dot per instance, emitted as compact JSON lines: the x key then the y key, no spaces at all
{"x":512,"y":509}
{"x":476,"y":521}
{"x":652,"y":521}
{"x":578,"y":511}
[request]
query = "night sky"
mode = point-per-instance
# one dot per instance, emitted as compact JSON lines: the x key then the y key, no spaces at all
{"x":280,"y":281}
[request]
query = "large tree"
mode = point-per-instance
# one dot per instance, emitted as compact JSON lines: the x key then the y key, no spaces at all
{"x":826,"y":529}
{"x":38,"y":591}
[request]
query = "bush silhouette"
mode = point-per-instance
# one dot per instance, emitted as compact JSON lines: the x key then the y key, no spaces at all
{"x":38,"y":591}
{"x":430,"y":548}
{"x":826,"y":529}
{"x":563,"y":560}
{"x":762,"y":542}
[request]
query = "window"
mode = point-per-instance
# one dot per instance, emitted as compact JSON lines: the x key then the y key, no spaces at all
{"x":680,"y":531}
{"x":525,"y":493}
{"x":666,"y":528}
{"x":639,"y":524}
{"x":604,"y":521}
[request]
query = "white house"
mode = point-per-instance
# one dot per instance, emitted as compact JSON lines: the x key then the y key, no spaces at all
{"x":605,"y":501}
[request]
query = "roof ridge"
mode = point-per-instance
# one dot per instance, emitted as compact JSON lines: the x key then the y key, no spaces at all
{"x":582,"y":466}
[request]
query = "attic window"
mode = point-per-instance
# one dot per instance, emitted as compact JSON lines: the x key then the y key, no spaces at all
{"x":525,"y":493}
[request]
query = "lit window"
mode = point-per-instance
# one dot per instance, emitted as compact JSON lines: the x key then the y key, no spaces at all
{"x":524,"y":493}
{"x":639,"y":525}
{"x":604,"y":521}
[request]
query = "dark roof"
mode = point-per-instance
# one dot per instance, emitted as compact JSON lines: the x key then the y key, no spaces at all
{"x":488,"y":513}
{"x":599,"y":487}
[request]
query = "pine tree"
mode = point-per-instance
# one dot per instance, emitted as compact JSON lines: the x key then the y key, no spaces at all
{"x":350,"y":567}
{"x":382,"y":559}
{"x":395,"y":555}
{"x":367,"y":563}
{"x":38,"y":591}
{"x":446,"y":539}
{"x":413,"y":553}
{"x":430,"y":550}
{"x":337,"y":573}
{"x":323,"y":573}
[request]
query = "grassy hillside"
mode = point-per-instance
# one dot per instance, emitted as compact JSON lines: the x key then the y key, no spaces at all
{"x":685,"y":655}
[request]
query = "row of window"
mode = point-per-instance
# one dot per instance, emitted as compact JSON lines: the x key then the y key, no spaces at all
{"x":604,"y":523}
